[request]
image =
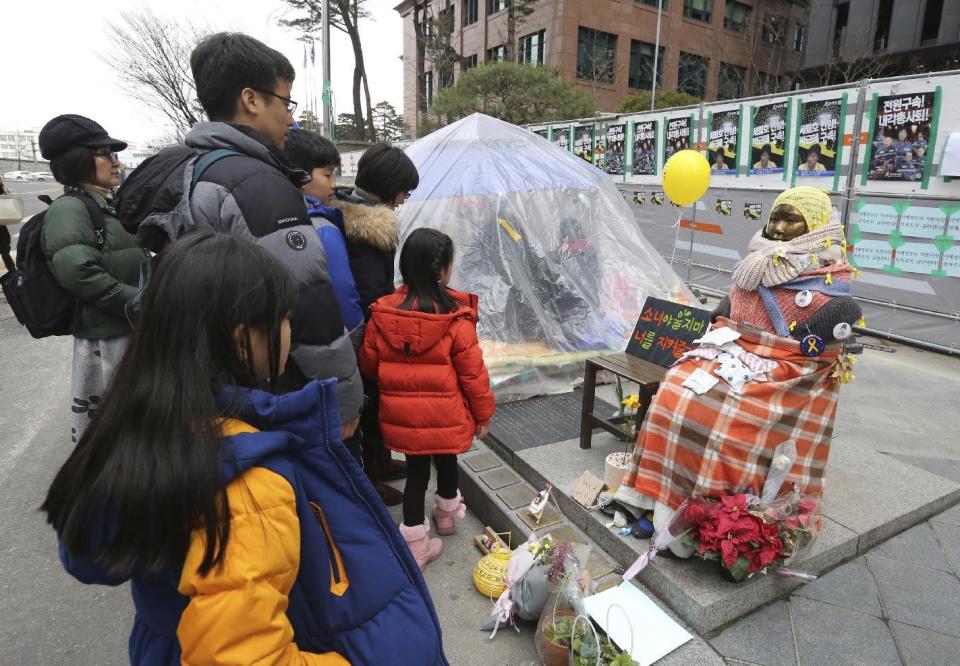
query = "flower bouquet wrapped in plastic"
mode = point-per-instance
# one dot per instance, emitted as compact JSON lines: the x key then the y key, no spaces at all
{"x":746,"y":533}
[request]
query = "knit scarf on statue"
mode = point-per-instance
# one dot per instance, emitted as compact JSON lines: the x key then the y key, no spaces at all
{"x":771,"y":263}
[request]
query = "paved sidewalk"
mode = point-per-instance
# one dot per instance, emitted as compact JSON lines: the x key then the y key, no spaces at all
{"x":898,"y":604}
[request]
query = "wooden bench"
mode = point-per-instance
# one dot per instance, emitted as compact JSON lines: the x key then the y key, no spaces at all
{"x":647,"y":375}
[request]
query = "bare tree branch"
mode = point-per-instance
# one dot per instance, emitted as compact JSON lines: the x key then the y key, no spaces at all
{"x":152,"y":59}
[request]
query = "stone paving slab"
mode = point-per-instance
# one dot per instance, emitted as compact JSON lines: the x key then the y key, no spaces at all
{"x":765,"y":637}
{"x":830,"y":635}
{"x":916,"y":595}
{"x":950,"y":516}
{"x":500,"y":477}
{"x":918,"y":545}
{"x":516,"y":496}
{"x":949,"y":538}
{"x":919,"y":647}
{"x":850,"y":586}
{"x":481,"y":462}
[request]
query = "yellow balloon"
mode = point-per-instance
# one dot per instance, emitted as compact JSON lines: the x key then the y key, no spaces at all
{"x":686,"y":177}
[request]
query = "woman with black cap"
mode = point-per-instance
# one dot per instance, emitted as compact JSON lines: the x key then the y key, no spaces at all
{"x":101,"y":272}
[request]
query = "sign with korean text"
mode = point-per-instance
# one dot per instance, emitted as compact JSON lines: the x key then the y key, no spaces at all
{"x":767,"y":143}
{"x":583,"y":142}
{"x":678,"y":136}
{"x":724,"y":141}
{"x":666,"y":330}
{"x":819,"y":138}
{"x":900,"y":135}
{"x":645,"y":148}
{"x":561,"y":138}
{"x":610,"y":154}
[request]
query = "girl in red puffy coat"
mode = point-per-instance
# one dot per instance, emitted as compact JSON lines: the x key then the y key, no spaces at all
{"x":421,"y":346}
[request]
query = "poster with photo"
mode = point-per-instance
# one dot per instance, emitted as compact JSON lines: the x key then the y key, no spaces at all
{"x":819,"y":137}
{"x":723,"y":143}
{"x":898,"y":149}
{"x":769,"y":135}
{"x":610,"y":154}
{"x":753,"y":211}
{"x":678,"y":137}
{"x":724,"y":207}
{"x":645,"y":148}
{"x":583,"y":142}
{"x":561,"y":138}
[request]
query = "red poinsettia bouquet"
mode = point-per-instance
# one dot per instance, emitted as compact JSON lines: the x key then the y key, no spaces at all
{"x":747,"y":537}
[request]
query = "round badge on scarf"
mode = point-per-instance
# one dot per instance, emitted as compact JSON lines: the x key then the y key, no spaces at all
{"x":812,"y":345}
{"x":842,"y":331}
{"x":296,"y":240}
{"x":803,"y":298}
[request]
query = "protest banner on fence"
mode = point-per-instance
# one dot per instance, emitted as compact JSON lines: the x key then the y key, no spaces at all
{"x":898,"y":149}
{"x":610,"y":153}
{"x":583,"y":142}
{"x":819,"y":137}
{"x":724,"y":141}
{"x":645,"y":148}
{"x":678,"y":136}
{"x":768,"y":141}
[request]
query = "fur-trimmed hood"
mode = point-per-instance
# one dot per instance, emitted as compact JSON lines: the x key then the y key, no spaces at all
{"x":365,"y":223}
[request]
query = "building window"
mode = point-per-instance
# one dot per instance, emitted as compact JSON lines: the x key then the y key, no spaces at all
{"x":471,"y":11}
{"x":641,"y":66}
{"x":531,"y":48}
{"x":497,"y":53}
{"x":700,"y":10}
{"x":882,"y":34}
{"x":653,"y":3}
{"x":932,"y":14}
{"x":692,"y":74}
{"x":736,"y":16}
{"x":426,"y":91}
{"x":773,"y":29}
{"x":446,"y":76}
{"x":468,"y":63}
{"x":494,"y":6}
{"x":444,"y":21}
{"x":596,"y":52}
{"x":840,"y":27}
{"x":799,"y":38}
{"x":730,"y":81}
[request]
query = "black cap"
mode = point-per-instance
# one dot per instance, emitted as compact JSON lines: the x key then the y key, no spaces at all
{"x":69,"y":130}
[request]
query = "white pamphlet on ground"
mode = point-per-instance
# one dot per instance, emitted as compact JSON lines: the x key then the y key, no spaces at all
{"x":700,"y":381}
{"x":650,"y":631}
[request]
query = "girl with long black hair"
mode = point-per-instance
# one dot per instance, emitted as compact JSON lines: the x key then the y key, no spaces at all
{"x":421,"y":347}
{"x":202,"y":487}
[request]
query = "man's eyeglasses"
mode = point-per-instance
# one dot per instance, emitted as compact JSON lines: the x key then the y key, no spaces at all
{"x":113,"y":157}
{"x":291,"y":105}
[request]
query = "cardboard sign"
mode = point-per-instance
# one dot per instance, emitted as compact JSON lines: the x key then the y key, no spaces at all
{"x":666,"y":330}
{"x":587,"y":489}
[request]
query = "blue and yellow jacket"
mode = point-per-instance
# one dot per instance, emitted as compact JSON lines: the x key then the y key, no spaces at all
{"x":315,"y":570}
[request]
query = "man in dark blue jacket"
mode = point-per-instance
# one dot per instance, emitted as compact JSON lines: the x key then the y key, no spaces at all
{"x":244,"y":86}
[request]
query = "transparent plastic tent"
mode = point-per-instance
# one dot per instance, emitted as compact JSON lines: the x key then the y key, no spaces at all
{"x":547,"y":242}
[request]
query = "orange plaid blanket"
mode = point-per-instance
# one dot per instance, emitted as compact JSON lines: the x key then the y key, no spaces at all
{"x":720,"y":442}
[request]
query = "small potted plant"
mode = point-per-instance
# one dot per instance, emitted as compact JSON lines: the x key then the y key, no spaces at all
{"x":615,"y":465}
{"x":557,"y":631}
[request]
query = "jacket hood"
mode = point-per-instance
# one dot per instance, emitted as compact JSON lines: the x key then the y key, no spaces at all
{"x":278,"y":418}
{"x":413,"y":332}
{"x":366,"y":222}
{"x":243,"y":139}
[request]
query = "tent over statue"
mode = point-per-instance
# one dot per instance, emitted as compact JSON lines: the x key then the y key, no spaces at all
{"x":547,"y":242}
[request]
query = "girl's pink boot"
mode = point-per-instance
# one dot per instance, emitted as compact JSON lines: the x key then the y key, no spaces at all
{"x":445,"y":513}
{"x":424,"y":548}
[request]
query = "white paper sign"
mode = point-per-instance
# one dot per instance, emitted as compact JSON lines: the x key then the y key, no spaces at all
{"x":640,"y":627}
{"x":718,"y":336}
{"x":700,"y":381}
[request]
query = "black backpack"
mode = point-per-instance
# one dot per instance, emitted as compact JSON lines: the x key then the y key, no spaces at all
{"x":37,"y":299}
{"x":154,"y":201}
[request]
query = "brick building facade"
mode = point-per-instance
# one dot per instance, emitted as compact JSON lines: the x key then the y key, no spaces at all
{"x":714,"y":49}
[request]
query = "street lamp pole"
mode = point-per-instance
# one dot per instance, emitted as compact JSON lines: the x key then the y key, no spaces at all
{"x":327,"y":93}
{"x":656,"y":57}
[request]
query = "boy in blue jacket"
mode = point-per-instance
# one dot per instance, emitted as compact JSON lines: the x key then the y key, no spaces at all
{"x":318,"y":156}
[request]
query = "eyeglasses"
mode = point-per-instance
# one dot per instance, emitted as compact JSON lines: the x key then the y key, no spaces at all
{"x":113,"y":157}
{"x":291,"y":105}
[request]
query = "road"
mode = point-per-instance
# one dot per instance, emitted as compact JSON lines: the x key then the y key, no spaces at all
{"x":29,"y":193}
{"x":48,"y":618}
